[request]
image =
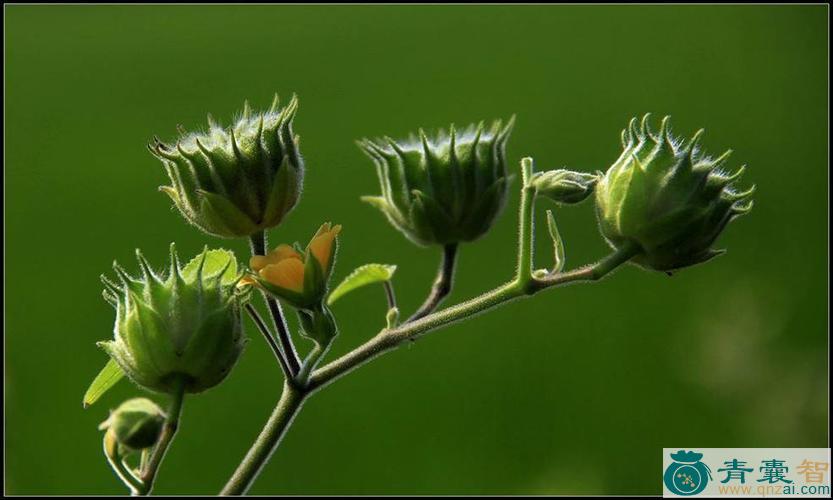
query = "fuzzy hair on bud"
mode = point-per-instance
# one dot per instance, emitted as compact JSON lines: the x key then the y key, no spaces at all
{"x":667,"y":196}
{"x":179,"y":326}
{"x":235,"y":181}
{"x":443,"y":188}
{"x":565,"y":187}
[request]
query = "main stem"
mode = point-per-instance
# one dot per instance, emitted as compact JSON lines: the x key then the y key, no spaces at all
{"x":258,"y":245}
{"x":290,"y":403}
{"x":148,"y":476}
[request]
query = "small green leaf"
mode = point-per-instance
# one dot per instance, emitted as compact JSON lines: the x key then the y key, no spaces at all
{"x":558,"y":245}
{"x":106,"y":378}
{"x":364,"y":275}
{"x":215,"y":261}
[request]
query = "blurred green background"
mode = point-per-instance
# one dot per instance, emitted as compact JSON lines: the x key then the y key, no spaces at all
{"x":576,"y":391}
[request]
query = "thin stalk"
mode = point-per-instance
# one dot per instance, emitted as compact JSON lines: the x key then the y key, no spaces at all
{"x":143,"y":460}
{"x":111,"y":447}
{"x":290,"y":403}
{"x":390,"y":296}
{"x":526,"y":225}
{"x":442,"y":283}
{"x":276,"y":350}
{"x":593,"y":272}
{"x":148,"y":475}
{"x":258,"y":244}
{"x":311,"y":362}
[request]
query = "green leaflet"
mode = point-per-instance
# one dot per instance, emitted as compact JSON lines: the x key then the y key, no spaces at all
{"x":106,"y":378}
{"x":364,"y":275}
{"x":558,"y":246}
{"x":215,"y":261}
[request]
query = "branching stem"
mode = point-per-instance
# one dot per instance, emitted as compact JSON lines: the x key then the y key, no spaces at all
{"x":387,"y":340}
{"x":290,"y":403}
{"x":423,"y":321}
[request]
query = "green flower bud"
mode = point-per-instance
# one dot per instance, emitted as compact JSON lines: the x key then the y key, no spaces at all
{"x":182,"y":328}
{"x":136,"y":424}
{"x":318,"y":324}
{"x":565,"y":186}
{"x":445,"y":189}
{"x":237,"y":181}
{"x":668,"y":197}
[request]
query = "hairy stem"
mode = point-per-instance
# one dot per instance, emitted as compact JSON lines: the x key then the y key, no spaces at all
{"x":258,"y":245}
{"x":390,"y":296}
{"x":148,"y":475}
{"x":387,"y":340}
{"x":442,"y":284}
{"x":290,"y":403}
{"x":526,"y":226}
{"x":276,"y":350}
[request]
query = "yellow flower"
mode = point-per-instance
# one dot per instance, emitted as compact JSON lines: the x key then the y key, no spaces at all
{"x":300,"y":279}
{"x":283,"y":267}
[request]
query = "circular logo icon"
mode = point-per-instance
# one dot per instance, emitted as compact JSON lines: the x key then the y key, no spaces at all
{"x":687,"y":475}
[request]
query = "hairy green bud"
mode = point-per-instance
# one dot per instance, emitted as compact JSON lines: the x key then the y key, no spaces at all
{"x":668,"y":197}
{"x":318,"y":324}
{"x":136,"y":424}
{"x":236,"y":181}
{"x":181,"y":328}
{"x":444,"y":189}
{"x":565,"y":186}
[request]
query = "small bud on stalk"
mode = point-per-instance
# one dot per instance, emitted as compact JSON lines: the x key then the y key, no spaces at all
{"x":667,"y":197}
{"x":135,"y":425}
{"x":564,"y":186}
{"x":443,"y":189}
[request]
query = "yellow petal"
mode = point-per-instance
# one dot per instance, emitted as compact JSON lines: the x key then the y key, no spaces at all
{"x":324,"y":228}
{"x":285,"y":252}
{"x":321,"y":246}
{"x":258,"y":262}
{"x":288,"y":274}
{"x":280,"y":253}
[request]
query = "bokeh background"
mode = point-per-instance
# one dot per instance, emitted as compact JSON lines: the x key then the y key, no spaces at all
{"x":576,"y":391}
